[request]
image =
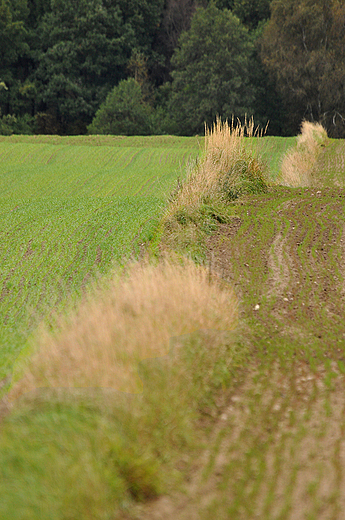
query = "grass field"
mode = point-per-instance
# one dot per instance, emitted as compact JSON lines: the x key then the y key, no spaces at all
{"x":257,"y":432}
{"x":70,"y":209}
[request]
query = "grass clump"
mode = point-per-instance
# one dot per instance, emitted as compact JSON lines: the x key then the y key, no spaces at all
{"x":102,"y":344}
{"x":245,"y":177}
{"x":227,"y":170}
{"x":75,"y":447}
{"x":300,"y":165}
{"x":61,"y":461}
{"x":185,"y":231}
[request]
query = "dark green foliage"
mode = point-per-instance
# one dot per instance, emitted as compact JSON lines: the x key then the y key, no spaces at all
{"x":143,"y":16}
{"x":37,"y":9}
{"x":250,"y":12}
{"x":10,"y":124}
{"x":211,"y":71}
{"x":85,"y":47}
{"x":303,"y":48}
{"x":124,"y":112}
{"x":14,"y":51}
{"x":246,"y":176}
{"x":61,"y":58}
{"x":279,"y":61}
{"x":12,"y":31}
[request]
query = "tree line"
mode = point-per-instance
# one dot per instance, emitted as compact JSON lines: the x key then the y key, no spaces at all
{"x":168,"y":66}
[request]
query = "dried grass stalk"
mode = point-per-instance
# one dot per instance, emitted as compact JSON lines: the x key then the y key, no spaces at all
{"x":101,"y":345}
{"x":299,"y":166}
{"x":224,"y":147}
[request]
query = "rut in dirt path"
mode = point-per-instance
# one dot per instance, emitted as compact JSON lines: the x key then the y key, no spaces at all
{"x":288,"y":257}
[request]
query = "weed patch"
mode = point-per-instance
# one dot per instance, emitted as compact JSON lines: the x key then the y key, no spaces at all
{"x":101,"y":345}
{"x":225,"y":164}
{"x":300,"y":165}
{"x":227,"y":170}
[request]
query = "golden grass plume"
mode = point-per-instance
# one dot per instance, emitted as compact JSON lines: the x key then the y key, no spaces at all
{"x":224,"y":147}
{"x":134,"y":319}
{"x":299,"y":165}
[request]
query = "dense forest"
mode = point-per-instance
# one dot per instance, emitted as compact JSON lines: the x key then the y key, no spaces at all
{"x":168,"y":66}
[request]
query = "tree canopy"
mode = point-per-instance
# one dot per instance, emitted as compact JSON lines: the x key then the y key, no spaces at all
{"x":303,"y":48}
{"x":278,"y":60}
{"x":250,"y":12}
{"x":85,"y":46}
{"x":211,"y":70}
{"x":124,"y":112}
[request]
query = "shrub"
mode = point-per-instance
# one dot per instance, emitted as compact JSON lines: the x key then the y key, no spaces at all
{"x":225,"y":171}
{"x":124,"y":112}
{"x":11,"y":124}
{"x":246,"y":176}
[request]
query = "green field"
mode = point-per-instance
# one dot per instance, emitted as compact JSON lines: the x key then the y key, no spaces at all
{"x":257,"y":434}
{"x":71,"y":209}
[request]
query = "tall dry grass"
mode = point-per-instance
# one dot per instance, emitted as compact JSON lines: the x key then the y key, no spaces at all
{"x":299,"y":165}
{"x":134,"y":319}
{"x":224,"y":149}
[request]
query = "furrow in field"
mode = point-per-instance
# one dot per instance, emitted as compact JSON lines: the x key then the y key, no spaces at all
{"x":293,"y":245}
{"x":49,"y":256}
{"x":279,"y":264}
{"x":279,"y":448}
{"x":82,"y":170}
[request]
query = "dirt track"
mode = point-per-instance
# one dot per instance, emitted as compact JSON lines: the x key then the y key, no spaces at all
{"x":277,"y":449}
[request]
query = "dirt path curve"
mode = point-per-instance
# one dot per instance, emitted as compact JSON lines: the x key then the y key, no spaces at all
{"x":277,"y":449}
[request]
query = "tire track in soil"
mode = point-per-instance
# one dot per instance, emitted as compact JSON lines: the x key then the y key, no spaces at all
{"x":342,"y":263}
{"x":279,"y":266}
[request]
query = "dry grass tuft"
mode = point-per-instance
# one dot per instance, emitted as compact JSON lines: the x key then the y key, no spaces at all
{"x":224,"y":150}
{"x":134,"y":319}
{"x":299,"y":166}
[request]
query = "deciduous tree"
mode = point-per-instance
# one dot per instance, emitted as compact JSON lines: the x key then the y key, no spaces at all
{"x":303,"y":47}
{"x":124,"y":112}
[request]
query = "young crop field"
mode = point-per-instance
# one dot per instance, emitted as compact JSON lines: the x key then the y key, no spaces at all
{"x":70,"y":210}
